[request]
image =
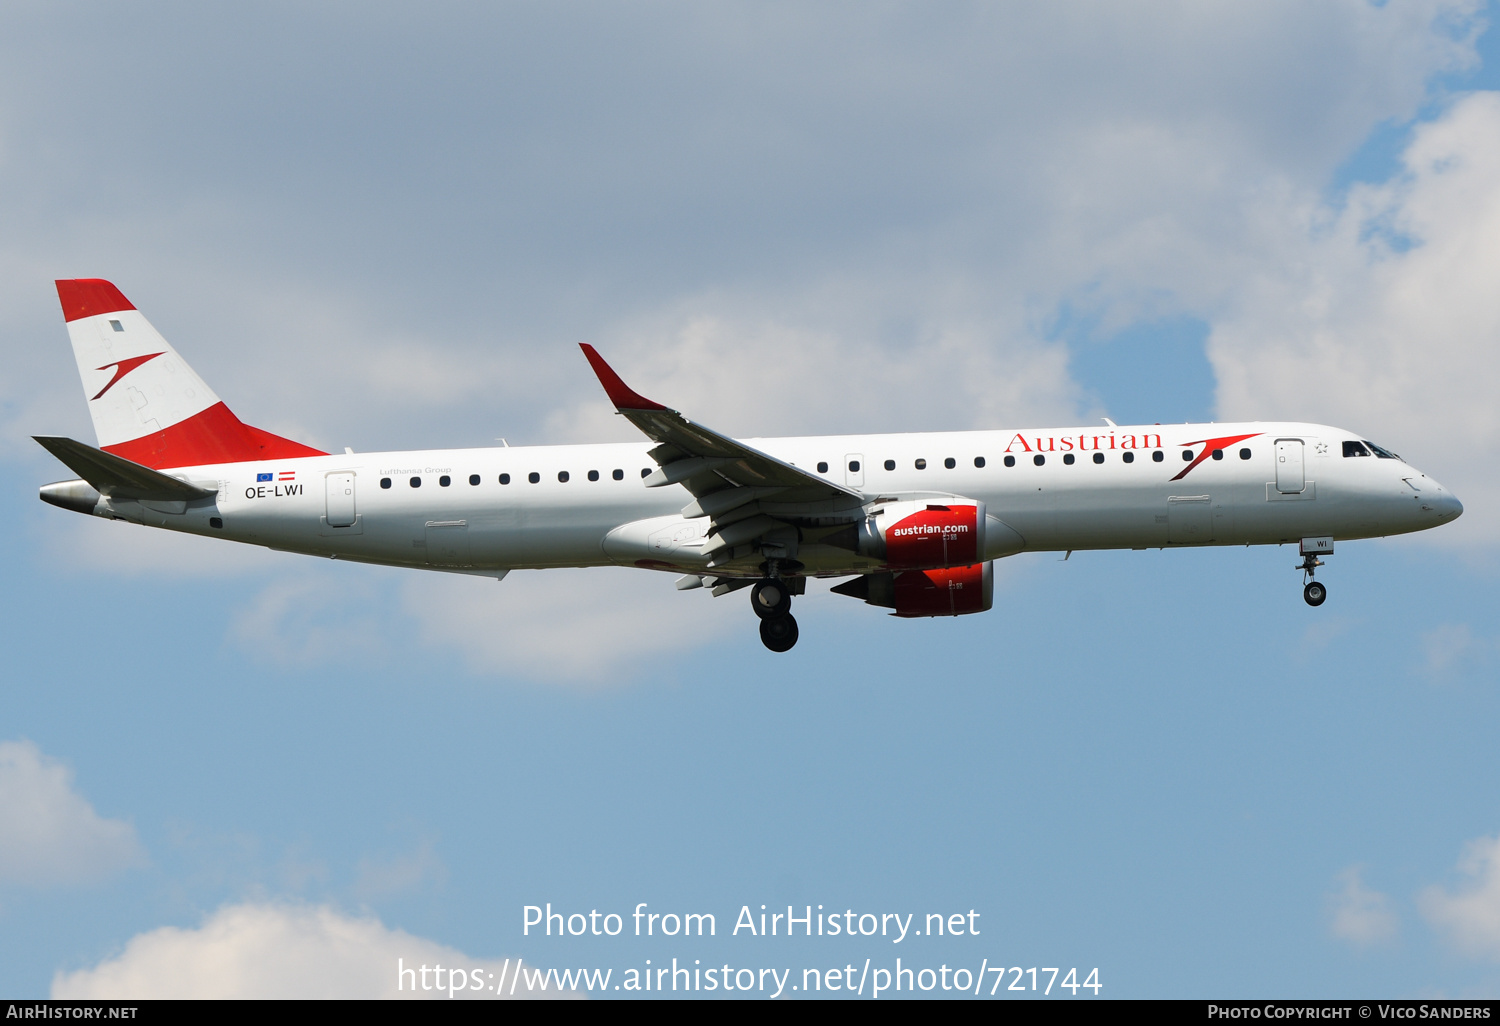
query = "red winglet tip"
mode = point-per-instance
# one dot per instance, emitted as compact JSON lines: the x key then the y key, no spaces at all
{"x":88,"y":297}
{"x":621,"y":394}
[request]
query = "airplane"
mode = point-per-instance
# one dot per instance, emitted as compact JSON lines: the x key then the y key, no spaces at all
{"x":913,"y":521}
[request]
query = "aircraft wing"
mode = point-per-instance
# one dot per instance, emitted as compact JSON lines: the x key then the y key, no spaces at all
{"x":726,"y":476}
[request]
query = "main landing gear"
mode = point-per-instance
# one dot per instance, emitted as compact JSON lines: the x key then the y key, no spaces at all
{"x":771,"y":599}
{"x":1313,"y":593}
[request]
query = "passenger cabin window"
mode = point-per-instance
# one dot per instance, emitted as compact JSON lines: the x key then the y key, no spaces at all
{"x":385,"y":482}
{"x":979,"y":461}
{"x":854,"y":466}
{"x":473,"y":479}
{"x":1187,"y":455}
{"x":645,"y":471}
{"x":1128,"y":457}
{"x":534,"y":477}
{"x":1218,"y":454}
{"x":1244,"y":454}
{"x":1384,"y":454}
{"x":921,"y":464}
{"x":505,"y":479}
{"x":890,"y":464}
{"x":1039,"y":459}
{"x":444,"y":481}
{"x":593,"y":475}
{"x":1098,"y":457}
{"x":1157,"y":456}
{"x":1010,"y":461}
{"x":618,"y":475}
{"x":950,"y":463}
{"x":562,"y":477}
{"x":1355,"y":449}
{"x":822,"y":468}
{"x":1068,"y":459}
{"x":416,"y":482}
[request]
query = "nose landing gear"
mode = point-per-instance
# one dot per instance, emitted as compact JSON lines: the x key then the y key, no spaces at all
{"x":1313,"y":593}
{"x":771,"y":598}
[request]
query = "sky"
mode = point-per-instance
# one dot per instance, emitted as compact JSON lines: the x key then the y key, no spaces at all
{"x":227,"y":771}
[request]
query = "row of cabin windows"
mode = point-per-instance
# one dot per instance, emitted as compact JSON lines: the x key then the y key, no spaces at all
{"x":562,"y":476}
{"x":1040,"y":460}
{"x":1010,"y":461}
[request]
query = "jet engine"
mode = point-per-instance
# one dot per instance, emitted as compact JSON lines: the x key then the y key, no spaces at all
{"x":951,"y":591}
{"x":929,"y":533}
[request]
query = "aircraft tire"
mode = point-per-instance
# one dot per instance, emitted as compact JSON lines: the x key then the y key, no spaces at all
{"x":1314,"y":593}
{"x":771,"y":598}
{"x":778,"y":633}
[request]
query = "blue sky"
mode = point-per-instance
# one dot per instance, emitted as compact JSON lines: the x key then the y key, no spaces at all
{"x":386,"y":228}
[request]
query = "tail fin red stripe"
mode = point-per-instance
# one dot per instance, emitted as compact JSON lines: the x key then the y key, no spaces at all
{"x":213,"y":436}
{"x":89,"y":297}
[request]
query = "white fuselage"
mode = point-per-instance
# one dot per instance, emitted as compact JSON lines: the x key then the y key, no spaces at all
{"x":602,"y":512}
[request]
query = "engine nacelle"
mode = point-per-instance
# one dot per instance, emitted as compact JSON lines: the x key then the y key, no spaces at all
{"x":924,"y":533}
{"x":950,"y":591}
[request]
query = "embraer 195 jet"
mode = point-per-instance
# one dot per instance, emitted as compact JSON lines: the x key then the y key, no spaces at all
{"x":914,"y":521}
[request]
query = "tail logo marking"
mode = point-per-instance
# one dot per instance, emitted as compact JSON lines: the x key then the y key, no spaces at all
{"x":123,"y":368}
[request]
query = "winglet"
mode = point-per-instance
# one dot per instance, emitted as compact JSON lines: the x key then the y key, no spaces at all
{"x":621,"y":394}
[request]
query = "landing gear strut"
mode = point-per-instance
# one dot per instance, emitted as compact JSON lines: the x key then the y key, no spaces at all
{"x":1313,"y":593}
{"x":771,"y":598}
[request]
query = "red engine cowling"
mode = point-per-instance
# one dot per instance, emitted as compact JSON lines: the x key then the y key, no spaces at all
{"x":951,"y":591}
{"x":925,"y":534}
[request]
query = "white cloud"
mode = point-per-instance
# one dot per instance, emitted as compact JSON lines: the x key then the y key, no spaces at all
{"x":281,"y":951}
{"x":314,"y":615}
{"x":49,"y":833}
{"x":1469,"y":915}
{"x":380,"y":878}
{"x":1383,"y":317}
{"x":1359,"y":915}
{"x":595,"y":625}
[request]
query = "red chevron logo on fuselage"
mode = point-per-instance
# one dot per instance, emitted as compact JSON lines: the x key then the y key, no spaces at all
{"x":1209,"y":445}
{"x":123,"y":368}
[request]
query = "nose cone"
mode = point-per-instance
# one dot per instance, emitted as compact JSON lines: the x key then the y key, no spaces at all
{"x":1439,"y":503}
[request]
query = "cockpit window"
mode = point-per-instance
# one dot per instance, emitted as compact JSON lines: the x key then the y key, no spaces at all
{"x":1355,"y":449}
{"x":1384,"y":454}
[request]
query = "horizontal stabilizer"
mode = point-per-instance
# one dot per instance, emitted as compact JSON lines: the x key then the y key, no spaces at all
{"x":116,"y":476}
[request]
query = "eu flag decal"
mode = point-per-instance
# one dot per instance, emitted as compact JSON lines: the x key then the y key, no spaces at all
{"x":262,"y":477}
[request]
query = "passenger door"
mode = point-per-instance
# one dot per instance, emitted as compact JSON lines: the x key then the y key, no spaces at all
{"x":1291,"y":476}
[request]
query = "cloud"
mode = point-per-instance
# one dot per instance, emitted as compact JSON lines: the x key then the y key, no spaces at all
{"x":279,"y":951}
{"x":314,"y":616}
{"x":49,"y":833}
{"x":376,"y":878}
{"x":810,"y":219}
{"x":1359,"y":915}
{"x":595,"y":626}
{"x":1382,"y":317}
{"x":1469,"y":915}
